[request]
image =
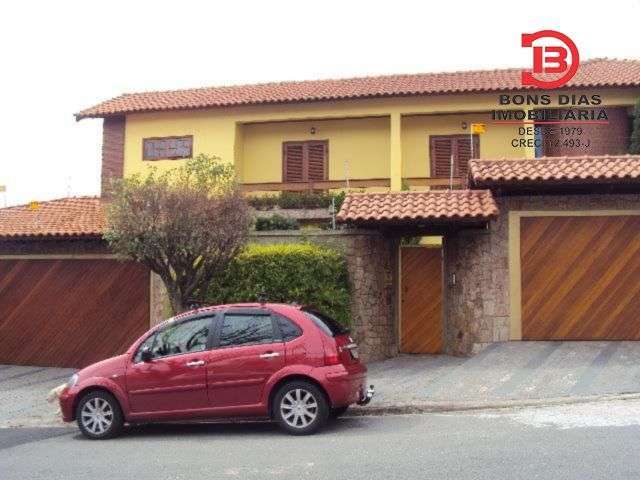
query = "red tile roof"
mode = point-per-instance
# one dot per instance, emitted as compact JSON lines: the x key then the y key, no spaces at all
{"x":66,"y":217}
{"x":601,"y":72}
{"x":439,"y":206}
{"x":555,"y":170}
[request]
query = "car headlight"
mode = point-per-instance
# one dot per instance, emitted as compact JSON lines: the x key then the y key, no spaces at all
{"x":73,"y":379}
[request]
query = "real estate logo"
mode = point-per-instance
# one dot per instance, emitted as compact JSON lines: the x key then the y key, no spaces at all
{"x":550,"y":59}
{"x":549,"y":121}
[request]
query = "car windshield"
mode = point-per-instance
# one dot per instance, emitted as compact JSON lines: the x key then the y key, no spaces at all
{"x":327,"y":324}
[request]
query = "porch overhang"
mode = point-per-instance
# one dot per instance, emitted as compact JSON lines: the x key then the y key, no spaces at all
{"x":547,"y":175}
{"x":432,"y":212}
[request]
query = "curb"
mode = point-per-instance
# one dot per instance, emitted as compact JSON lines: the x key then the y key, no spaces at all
{"x":443,"y":407}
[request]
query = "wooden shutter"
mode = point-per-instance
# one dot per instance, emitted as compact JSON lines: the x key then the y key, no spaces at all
{"x":441,"y":149}
{"x":305,"y":161}
{"x":463,"y":153}
{"x":443,"y":146}
{"x":316,"y":161}
{"x":293,"y":162}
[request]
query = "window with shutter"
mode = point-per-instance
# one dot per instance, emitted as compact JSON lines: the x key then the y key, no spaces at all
{"x":444,"y":147}
{"x":305,"y":161}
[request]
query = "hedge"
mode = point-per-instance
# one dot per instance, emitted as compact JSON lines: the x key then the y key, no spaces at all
{"x":302,"y":273}
{"x":276,"y":222}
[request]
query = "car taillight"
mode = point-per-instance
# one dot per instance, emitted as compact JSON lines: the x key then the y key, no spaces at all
{"x":331,"y":358}
{"x":331,"y":355}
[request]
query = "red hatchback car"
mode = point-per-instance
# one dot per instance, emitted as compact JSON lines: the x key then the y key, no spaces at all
{"x":285,"y":362}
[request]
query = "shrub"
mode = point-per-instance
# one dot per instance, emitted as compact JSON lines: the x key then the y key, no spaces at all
{"x":296,"y":200}
{"x":263,"y":202}
{"x":276,"y":222}
{"x":302,"y":273}
{"x":290,"y":200}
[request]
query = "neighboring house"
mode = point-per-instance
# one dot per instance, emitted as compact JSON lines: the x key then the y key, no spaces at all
{"x":533,"y":248}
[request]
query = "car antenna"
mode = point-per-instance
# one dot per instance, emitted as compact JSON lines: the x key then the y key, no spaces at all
{"x":262,"y":297}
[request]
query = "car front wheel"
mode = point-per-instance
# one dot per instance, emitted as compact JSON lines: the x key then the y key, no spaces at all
{"x":300,"y":408}
{"x":99,"y":415}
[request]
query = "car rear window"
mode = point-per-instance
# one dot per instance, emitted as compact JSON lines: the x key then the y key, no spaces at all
{"x":327,"y":324}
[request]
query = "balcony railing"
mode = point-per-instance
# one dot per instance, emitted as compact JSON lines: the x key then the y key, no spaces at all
{"x":342,"y":184}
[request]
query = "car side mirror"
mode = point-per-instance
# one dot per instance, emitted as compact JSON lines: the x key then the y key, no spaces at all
{"x":145,"y":354}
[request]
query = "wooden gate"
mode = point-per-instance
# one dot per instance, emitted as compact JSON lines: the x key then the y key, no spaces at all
{"x":580,"y":278}
{"x":421,"y":300}
{"x":70,"y":313}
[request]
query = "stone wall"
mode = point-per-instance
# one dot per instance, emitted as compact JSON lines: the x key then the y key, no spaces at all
{"x":476,"y":307}
{"x":371,"y":262}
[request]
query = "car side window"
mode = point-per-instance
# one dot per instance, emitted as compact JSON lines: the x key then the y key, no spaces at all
{"x":240,"y":329}
{"x":184,"y":337}
{"x":288,"y":329}
{"x":148,"y":343}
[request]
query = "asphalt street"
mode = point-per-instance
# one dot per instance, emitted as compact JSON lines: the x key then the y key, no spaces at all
{"x":592,"y":441}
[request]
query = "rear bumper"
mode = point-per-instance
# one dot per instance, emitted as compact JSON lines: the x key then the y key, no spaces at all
{"x":345,"y":385}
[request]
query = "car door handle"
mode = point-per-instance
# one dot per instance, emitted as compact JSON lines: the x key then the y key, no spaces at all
{"x":270,"y":355}
{"x":195,"y":363}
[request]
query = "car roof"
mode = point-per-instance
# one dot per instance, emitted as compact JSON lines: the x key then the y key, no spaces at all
{"x":213,"y":308}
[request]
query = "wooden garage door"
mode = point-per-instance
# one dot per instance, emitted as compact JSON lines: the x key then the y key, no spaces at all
{"x":580,"y":278}
{"x":70,"y":313}
{"x":421,"y":300}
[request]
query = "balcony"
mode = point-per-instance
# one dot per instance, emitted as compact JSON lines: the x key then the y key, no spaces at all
{"x":414,"y":182}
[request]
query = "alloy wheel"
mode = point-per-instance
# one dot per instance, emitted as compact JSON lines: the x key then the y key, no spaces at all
{"x":299,"y":408}
{"x":97,"y":416}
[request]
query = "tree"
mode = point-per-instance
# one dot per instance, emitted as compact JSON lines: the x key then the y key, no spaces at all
{"x":634,"y":146}
{"x":186,"y":224}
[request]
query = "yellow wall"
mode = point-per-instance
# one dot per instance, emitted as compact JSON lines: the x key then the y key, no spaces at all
{"x":494,"y":143}
{"x":224,"y":132}
{"x":363,"y":144}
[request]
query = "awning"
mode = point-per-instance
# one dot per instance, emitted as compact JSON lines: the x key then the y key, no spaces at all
{"x":435,"y":208}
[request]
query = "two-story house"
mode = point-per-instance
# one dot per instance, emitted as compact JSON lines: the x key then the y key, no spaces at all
{"x":531,"y":191}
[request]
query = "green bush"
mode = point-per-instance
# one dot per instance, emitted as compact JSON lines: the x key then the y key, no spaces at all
{"x":263,"y":202}
{"x":296,"y":200}
{"x":276,"y":222}
{"x":302,"y":273}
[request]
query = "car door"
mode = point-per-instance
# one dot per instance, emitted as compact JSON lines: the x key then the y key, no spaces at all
{"x":248,"y":351}
{"x":175,"y":378}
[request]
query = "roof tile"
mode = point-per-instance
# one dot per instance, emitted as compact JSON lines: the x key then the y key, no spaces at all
{"x":585,"y":169}
{"x":65,"y":217}
{"x":438,"y":206}
{"x":601,"y":72}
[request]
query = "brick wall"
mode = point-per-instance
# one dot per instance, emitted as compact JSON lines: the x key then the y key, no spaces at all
{"x":112,"y":151}
{"x":612,"y":139}
{"x":476,"y":308}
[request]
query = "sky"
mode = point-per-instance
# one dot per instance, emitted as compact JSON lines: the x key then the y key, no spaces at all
{"x":61,"y":57}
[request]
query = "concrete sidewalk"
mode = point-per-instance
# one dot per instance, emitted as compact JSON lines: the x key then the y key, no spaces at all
{"x":505,"y":374}
{"x":511,"y":373}
{"x":23,"y":395}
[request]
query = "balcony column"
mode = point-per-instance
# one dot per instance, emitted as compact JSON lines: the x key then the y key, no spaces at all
{"x":530,"y":151}
{"x":396,"y":152}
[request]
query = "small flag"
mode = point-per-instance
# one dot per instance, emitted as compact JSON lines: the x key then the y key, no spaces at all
{"x":478,"y":127}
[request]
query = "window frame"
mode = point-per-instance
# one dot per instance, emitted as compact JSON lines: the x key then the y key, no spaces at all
{"x":208,"y":345}
{"x":171,"y":137}
{"x":275,"y":317}
{"x":452,"y":137}
{"x":305,"y":167}
{"x":277,"y":335}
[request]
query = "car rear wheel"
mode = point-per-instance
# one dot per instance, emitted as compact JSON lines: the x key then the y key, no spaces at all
{"x":99,"y":415}
{"x":300,"y":408}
